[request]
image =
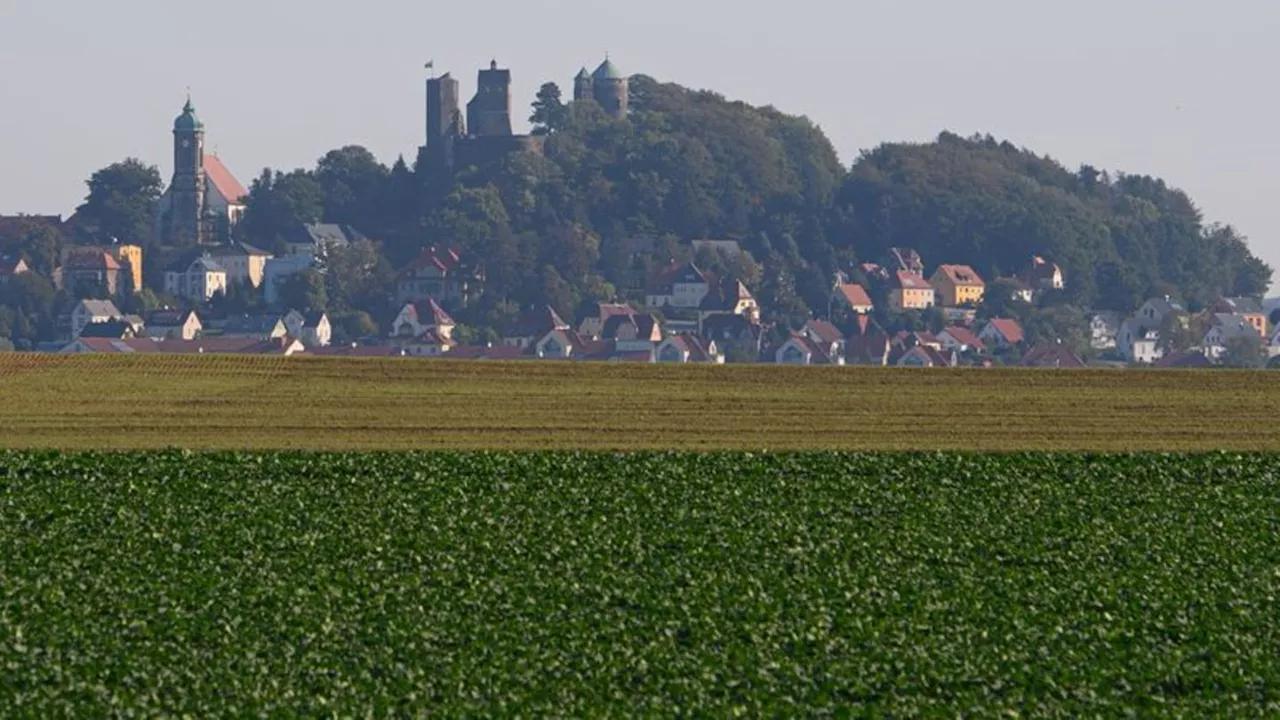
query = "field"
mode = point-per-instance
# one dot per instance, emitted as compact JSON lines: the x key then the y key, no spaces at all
{"x":638,"y":584}
{"x":238,"y":403}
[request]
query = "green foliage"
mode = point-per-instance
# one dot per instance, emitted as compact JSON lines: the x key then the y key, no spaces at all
{"x":653,"y":584}
{"x":39,"y":243}
{"x":549,"y":111}
{"x":278,"y":202}
{"x":1244,"y":351}
{"x":305,"y":291}
{"x":122,"y":202}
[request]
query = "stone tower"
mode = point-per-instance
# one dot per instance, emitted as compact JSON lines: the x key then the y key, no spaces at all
{"x":582,"y":86}
{"x":610,"y":88}
{"x":489,"y":112}
{"x":186,"y":215}
{"x":444,"y":114}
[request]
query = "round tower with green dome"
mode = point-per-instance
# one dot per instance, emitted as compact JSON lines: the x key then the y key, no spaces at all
{"x":185,"y":226}
{"x":607,"y":86}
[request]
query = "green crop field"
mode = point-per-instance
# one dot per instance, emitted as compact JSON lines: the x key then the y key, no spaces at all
{"x":99,"y":402}
{"x":451,"y":585}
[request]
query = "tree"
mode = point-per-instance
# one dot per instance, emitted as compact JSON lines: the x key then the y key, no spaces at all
{"x":29,"y":293}
{"x":1176,"y":334}
{"x":549,"y":111}
{"x":1244,"y":351}
{"x":279,"y":202}
{"x":352,"y":181}
{"x":304,"y":291}
{"x":39,"y":242}
{"x":122,"y":202}
{"x":357,"y":276}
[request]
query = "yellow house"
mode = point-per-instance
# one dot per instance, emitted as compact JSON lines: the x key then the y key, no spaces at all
{"x":909,"y":291}
{"x":958,"y":285}
{"x":130,"y":259}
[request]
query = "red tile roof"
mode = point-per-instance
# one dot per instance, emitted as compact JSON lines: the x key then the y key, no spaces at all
{"x":964,"y":336}
{"x":855,"y":295}
{"x":1009,"y":329}
{"x":443,"y":259}
{"x":824,"y":331}
{"x":911,"y":281}
{"x":962,"y":275}
{"x":91,"y":259}
{"x":1055,"y":355}
{"x":221,"y":178}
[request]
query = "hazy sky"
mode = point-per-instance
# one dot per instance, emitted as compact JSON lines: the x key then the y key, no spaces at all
{"x":1182,"y":89}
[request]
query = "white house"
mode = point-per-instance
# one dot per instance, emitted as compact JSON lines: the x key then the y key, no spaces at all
{"x":682,"y":285}
{"x":1139,"y":341}
{"x":92,"y":311}
{"x":1103,"y":329}
{"x":198,"y":280}
{"x":177,"y":324}
{"x":688,"y":349}
{"x":1225,"y":328}
{"x":1001,"y":333}
{"x":802,"y":349}
{"x":1154,"y":311}
{"x":415,"y":319}
{"x":243,"y":263}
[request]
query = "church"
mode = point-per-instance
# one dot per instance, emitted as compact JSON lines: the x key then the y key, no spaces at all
{"x":204,"y":200}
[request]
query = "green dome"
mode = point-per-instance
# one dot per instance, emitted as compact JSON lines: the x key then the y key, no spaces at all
{"x":608,"y":71}
{"x":187,"y":121}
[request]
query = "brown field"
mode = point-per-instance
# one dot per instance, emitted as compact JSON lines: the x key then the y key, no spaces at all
{"x":224,"y":402}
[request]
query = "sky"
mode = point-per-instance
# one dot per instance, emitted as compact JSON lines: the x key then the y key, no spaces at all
{"x":1179,"y":89}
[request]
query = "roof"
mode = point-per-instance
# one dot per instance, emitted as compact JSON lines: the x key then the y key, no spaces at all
{"x":855,"y":295}
{"x":870,"y":349}
{"x":865,"y":326}
{"x":109,"y":329}
{"x":100,"y":308}
{"x":11,"y":265}
{"x":252,"y":325}
{"x":1241,"y":305}
{"x":684,"y":273}
{"x":927,"y":355}
{"x":645,"y":326}
{"x":206,"y":264}
{"x":1165,"y":305}
{"x":90,"y":259}
{"x":818,"y":354}
{"x":430,"y":310}
{"x":168,"y":318}
{"x":1040,"y":269}
{"x":608,"y":71}
{"x":443,"y":259}
{"x":725,"y":294}
{"x":582,"y":74}
{"x":962,"y":275}
{"x":964,"y":336}
{"x":698,"y":349}
{"x":538,"y":323}
{"x":1009,"y":329}
{"x":824,"y":331}
{"x":725,"y":327}
{"x":223,"y":181}
{"x":322,"y":234}
{"x":1055,"y":355}
{"x":910,"y":281}
{"x":187,"y":121}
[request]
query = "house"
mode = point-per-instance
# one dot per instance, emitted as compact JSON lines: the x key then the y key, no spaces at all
{"x":176,"y":324}
{"x":93,"y":268}
{"x":92,"y":311}
{"x":1001,"y":333}
{"x":316,"y":330}
{"x":825,"y":334}
{"x":905,"y":340}
{"x":680,"y":285}
{"x":800,"y":349}
{"x":1040,"y":274}
{"x":1154,"y":311}
{"x":1017,"y":288}
{"x":909,"y":291}
{"x":417,"y":318}
{"x":198,"y":280}
{"x":277,"y":271}
{"x":686,"y":348}
{"x":957,"y":285}
{"x":242,"y":262}
{"x":593,"y":325}
{"x":532,"y":327}
{"x":1139,"y":341}
{"x":317,"y":240}
{"x":11,"y":265}
{"x":867,"y":343}
{"x":1055,"y":355}
{"x":925,"y":356}
{"x":116,"y":329}
{"x":1248,"y":308}
{"x":1224,"y":329}
{"x":736,"y":336}
{"x":1104,"y":327}
{"x":726,"y":296}
{"x":960,"y":339}
{"x":633,"y":333}
{"x":254,"y":327}
{"x":852,"y":297}
{"x":559,"y":343}
{"x":432,"y":342}
{"x":442,"y":274}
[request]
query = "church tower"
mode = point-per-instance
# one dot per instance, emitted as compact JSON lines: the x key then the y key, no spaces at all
{"x":582,"y":88}
{"x":186,"y":215}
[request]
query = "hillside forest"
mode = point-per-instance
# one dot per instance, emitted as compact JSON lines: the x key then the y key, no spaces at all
{"x":610,"y":202}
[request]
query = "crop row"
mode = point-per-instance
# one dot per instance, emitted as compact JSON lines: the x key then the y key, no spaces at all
{"x":649,"y":584}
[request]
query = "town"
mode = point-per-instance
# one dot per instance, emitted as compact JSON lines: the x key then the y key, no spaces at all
{"x":207,"y":283}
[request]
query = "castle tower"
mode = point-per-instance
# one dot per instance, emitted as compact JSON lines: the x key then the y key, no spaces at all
{"x":444,"y":116}
{"x":611,"y":89}
{"x":582,"y":87}
{"x":186,"y":217}
{"x":489,"y":112}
